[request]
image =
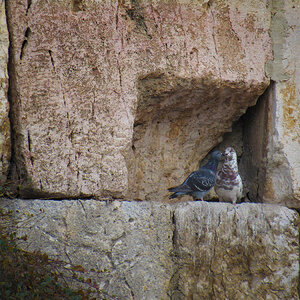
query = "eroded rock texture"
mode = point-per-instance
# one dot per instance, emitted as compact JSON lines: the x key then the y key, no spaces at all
{"x":125,"y":97}
{"x":272,"y":135}
{"x":131,"y":240}
{"x":283,"y":160}
{"x":5,"y":146}
{"x":193,"y":250}
{"x":227,"y":252}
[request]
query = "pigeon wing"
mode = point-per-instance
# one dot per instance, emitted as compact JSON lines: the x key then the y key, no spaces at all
{"x":201,"y":180}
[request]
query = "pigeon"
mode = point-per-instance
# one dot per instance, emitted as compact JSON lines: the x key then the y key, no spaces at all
{"x":229,"y":185}
{"x":198,"y":183}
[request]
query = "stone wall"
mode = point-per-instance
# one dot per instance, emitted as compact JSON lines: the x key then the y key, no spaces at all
{"x":193,"y":250}
{"x":271,"y":158}
{"x":5,"y":142}
{"x":126,"y":104}
{"x":122,"y":100}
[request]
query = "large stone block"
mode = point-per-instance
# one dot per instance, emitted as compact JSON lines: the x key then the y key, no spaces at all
{"x":194,"y":250}
{"x":245,"y":252}
{"x":124,"y":98}
{"x":5,"y":146}
{"x":272,"y":136}
{"x":131,"y":240}
{"x":283,"y":158}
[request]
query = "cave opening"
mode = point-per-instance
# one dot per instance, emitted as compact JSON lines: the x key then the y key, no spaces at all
{"x":179,"y":121}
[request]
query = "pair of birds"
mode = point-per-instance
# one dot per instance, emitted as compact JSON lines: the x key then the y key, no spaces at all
{"x":228,"y":183}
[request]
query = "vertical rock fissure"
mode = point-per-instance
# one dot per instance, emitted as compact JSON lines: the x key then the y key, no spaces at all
{"x":52,"y":60}
{"x":121,"y":88}
{"x":175,"y":291}
{"x":29,"y":147}
{"x":25,"y":42}
{"x":15,"y":171}
{"x":214,"y":36}
{"x":130,"y":289}
{"x":29,"y":2}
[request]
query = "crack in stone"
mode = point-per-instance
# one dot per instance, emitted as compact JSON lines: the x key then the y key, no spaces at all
{"x":214,"y":36}
{"x":174,"y":236}
{"x":213,"y":258}
{"x":52,"y":60}
{"x":52,"y":236}
{"x":109,"y":256}
{"x":29,"y":2}
{"x":121,"y":88}
{"x":130,"y":289}
{"x":25,"y":42}
{"x":85,"y":214}
{"x":29,"y":147}
{"x":67,"y":255}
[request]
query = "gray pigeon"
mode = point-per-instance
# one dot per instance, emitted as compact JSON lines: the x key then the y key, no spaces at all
{"x":229,"y":185}
{"x":198,"y":183}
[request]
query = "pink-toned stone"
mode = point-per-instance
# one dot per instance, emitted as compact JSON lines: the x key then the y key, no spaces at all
{"x":125,"y":99}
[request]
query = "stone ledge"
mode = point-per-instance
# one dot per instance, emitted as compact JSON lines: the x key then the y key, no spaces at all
{"x":163,"y":251}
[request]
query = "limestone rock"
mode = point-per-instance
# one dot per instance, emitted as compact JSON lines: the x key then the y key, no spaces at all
{"x":283,"y":159}
{"x":247,"y":252}
{"x":131,"y":240}
{"x":5,"y":146}
{"x":194,"y":250}
{"x":126,"y":104}
{"x":272,"y":138}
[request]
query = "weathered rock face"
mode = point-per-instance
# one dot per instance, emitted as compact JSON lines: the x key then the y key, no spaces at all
{"x":193,"y":250}
{"x":5,"y":146}
{"x":131,"y":240}
{"x":272,"y":137}
{"x":227,"y":252}
{"x":283,"y":160}
{"x":127,"y":103}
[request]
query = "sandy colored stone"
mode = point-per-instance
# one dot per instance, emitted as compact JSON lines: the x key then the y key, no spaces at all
{"x":271,"y":155}
{"x":126,"y":104}
{"x":194,"y":250}
{"x":283,"y":159}
{"x":5,"y":146}
{"x":245,"y":252}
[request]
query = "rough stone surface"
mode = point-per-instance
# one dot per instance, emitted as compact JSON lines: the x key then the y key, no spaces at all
{"x":282,"y":183}
{"x":271,"y":155}
{"x":127,"y":104}
{"x":245,"y":252}
{"x":5,"y":147}
{"x":194,"y":250}
{"x":132,"y":240}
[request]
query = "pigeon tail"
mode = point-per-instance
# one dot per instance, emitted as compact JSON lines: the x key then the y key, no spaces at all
{"x":178,"y":188}
{"x":178,"y":191}
{"x":175,"y":195}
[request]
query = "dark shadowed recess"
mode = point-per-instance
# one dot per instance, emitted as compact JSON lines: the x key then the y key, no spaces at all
{"x":163,"y":107}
